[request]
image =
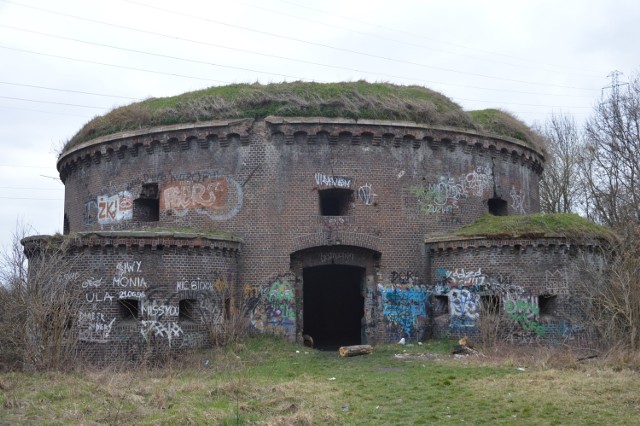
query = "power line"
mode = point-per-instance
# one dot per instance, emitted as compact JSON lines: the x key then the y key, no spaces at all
{"x":34,"y":199}
{"x":44,"y":112}
{"x":431,"y":38}
{"x":67,"y":90}
{"x":378,"y":36}
{"x":21,"y":166}
{"x":149,"y":53}
{"x":263,"y":72}
{"x":173,"y":37}
{"x":355,"y":52}
{"x":112,"y":65}
{"x":50,"y":102}
{"x":30,"y":188}
{"x":275,"y":35}
{"x":518,"y":103}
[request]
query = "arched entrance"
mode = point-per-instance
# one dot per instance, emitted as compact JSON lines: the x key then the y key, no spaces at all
{"x":337,"y":294}
{"x":333,"y":304}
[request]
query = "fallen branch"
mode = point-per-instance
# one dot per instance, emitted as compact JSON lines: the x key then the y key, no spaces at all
{"x":355,"y":350}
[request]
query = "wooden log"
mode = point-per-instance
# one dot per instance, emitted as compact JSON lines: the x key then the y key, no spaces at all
{"x":355,"y":350}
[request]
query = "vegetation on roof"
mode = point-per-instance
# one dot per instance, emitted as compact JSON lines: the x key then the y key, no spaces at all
{"x":532,"y":226}
{"x":354,"y":100}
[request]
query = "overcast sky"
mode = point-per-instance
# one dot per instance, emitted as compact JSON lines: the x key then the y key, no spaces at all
{"x":63,"y":62}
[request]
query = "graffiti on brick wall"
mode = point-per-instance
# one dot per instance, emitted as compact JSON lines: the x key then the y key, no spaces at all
{"x":219,"y":198}
{"x":128,"y":275}
{"x":438,"y":198}
{"x":340,"y":256}
{"x":209,"y":296}
{"x":366,"y":194}
{"x":333,"y":181}
{"x":280,"y":304}
{"x":272,"y":306}
{"x":157,"y":310}
{"x":477,"y":181}
{"x":474,"y":280}
{"x":517,"y":198}
{"x":94,"y":326}
{"x":404,"y":306}
{"x":524,"y":311}
{"x":404,"y":277}
{"x":185,"y":195}
{"x":463,"y":288}
{"x":463,"y":307}
{"x":442,"y":197}
{"x":115,"y":208}
{"x":163,"y":330}
{"x":459,"y":278}
{"x":556,"y":282}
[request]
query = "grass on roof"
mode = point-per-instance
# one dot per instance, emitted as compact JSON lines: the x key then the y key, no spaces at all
{"x":533,"y":225}
{"x":354,"y":100}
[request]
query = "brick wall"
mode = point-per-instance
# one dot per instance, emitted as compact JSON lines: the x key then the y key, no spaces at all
{"x":529,"y":283}
{"x":268,"y":181}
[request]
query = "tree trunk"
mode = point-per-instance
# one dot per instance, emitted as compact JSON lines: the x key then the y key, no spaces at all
{"x":355,"y":350}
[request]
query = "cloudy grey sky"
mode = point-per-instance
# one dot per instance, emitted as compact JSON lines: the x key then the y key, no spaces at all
{"x":63,"y":62}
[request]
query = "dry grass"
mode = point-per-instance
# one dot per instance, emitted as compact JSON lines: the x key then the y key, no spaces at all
{"x":355,"y":100}
{"x":269,"y":382}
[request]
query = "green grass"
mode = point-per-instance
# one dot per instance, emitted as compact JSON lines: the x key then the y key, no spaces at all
{"x":353,"y":100}
{"x":532,"y":225}
{"x":267,"y":381}
{"x":503,"y":123}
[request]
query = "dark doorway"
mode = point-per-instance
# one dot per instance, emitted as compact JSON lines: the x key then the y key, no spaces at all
{"x":333,"y":305}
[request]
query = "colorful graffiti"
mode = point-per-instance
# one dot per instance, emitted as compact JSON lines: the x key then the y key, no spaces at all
{"x":219,"y":198}
{"x":181,"y":195}
{"x":463,"y":307}
{"x":280,"y":304}
{"x":525,"y":313}
{"x":405,"y":307}
{"x":443,"y":196}
{"x":115,"y":208}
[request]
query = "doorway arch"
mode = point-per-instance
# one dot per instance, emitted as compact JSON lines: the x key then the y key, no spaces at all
{"x":337,"y":289}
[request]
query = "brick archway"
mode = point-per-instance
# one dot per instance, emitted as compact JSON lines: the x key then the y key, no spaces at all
{"x":337,"y":288}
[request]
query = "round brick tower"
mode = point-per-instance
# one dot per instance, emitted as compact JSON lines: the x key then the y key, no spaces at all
{"x":300,"y":225}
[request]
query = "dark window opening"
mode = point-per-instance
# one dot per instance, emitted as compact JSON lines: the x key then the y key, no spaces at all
{"x":441,"y":305}
{"x":65,"y":225}
{"x":187,"y":309}
{"x":147,"y":207}
{"x":547,"y":304}
{"x":129,"y":309}
{"x":498,"y":207}
{"x":335,"y":201}
{"x":490,"y":304}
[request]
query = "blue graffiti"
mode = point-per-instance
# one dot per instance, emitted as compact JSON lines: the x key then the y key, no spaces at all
{"x":405,"y":307}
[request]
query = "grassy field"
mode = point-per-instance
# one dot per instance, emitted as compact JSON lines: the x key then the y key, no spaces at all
{"x":267,"y":381}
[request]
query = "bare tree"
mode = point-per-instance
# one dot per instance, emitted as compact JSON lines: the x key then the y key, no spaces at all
{"x":612,"y":157}
{"x":38,"y":325}
{"x":561,"y":188}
